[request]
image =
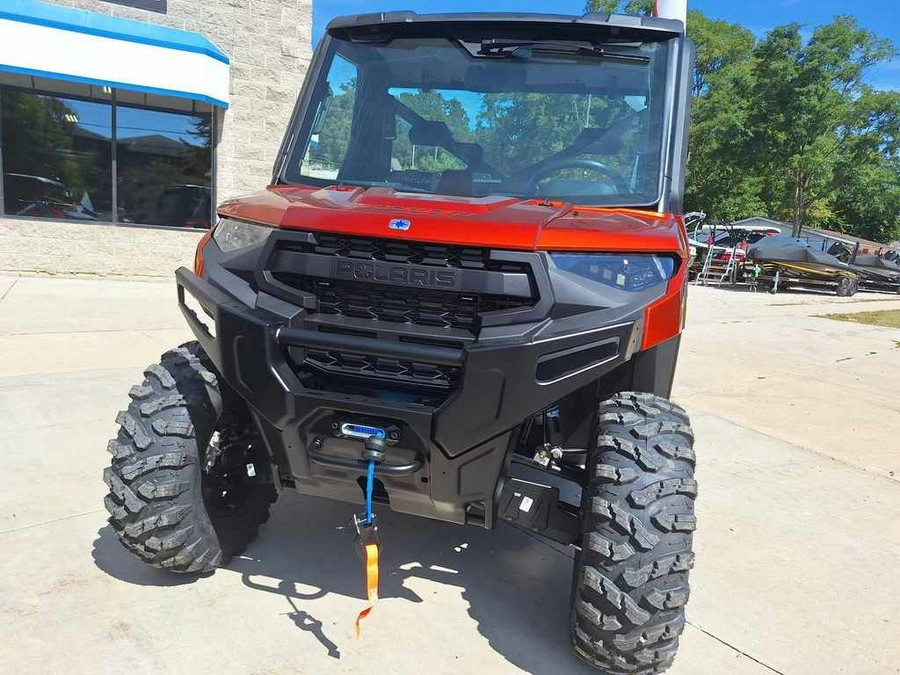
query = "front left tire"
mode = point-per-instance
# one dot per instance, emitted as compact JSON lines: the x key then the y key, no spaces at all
{"x":631,"y":576}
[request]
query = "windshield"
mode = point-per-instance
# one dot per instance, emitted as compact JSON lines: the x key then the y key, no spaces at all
{"x":572,"y":121}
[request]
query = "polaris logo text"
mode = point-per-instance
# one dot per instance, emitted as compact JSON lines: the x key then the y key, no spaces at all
{"x":398,"y":275}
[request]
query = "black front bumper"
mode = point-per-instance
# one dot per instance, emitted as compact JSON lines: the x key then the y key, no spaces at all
{"x":447,"y":461}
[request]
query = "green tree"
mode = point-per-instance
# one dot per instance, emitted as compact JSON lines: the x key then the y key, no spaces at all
{"x":435,"y":107}
{"x":720,"y":179}
{"x":804,"y":96}
{"x":866,"y":198}
{"x":720,"y":46}
{"x":334,"y":135}
{"x":49,"y":143}
{"x":620,"y":6}
{"x":790,"y":130}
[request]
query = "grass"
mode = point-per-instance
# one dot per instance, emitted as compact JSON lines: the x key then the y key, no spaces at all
{"x":889,"y":318}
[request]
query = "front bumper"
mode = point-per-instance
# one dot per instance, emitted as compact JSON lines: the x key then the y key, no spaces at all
{"x":447,"y":461}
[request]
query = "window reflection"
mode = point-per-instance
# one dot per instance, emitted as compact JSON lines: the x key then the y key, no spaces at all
{"x":56,"y":157}
{"x":164,"y":167}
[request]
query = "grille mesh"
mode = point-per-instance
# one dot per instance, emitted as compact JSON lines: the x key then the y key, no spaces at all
{"x":370,"y":301}
{"x":416,"y":253}
{"x":398,"y":371}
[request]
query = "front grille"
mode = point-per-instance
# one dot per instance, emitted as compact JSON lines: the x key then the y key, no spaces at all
{"x":365,"y":301}
{"x":415,"y":253}
{"x":395,"y":371}
{"x":399,"y":305}
{"x":371,"y":308}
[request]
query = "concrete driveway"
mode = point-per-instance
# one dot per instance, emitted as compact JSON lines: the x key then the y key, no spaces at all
{"x":797,"y":420}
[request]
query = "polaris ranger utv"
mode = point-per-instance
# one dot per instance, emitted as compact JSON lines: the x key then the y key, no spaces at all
{"x":461,"y":297}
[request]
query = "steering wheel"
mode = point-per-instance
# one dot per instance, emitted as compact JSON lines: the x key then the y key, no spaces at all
{"x":574,"y":163}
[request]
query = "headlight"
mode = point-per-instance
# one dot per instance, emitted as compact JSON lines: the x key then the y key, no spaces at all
{"x":626,"y":272}
{"x":231,"y":235}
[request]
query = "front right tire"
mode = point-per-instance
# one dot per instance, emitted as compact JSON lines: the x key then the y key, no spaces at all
{"x":631,"y":577}
{"x":190,"y":481}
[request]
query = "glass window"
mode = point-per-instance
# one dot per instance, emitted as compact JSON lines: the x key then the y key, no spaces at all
{"x":164,"y":167}
{"x":333,"y":122}
{"x":500,"y":115}
{"x":56,"y":156}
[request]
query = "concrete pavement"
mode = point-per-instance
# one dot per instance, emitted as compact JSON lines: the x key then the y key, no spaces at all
{"x":795,"y":548}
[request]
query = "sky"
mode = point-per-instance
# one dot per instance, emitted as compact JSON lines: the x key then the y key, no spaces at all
{"x":759,"y":16}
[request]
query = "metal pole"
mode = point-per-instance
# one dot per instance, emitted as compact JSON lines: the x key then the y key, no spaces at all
{"x":214,"y":158}
{"x":2,"y":204}
{"x":671,"y":9}
{"x":114,"y":158}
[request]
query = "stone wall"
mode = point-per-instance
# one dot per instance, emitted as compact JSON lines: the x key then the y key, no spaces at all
{"x":74,"y":248}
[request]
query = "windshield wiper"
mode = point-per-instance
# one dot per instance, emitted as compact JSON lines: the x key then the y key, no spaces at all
{"x":399,"y":187}
{"x":507,"y":48}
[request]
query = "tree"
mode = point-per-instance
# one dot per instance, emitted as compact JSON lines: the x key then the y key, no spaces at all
{"x":867,"y":173}
{"x":720,"y":45}
{"x":331,"y":143}
{"x":48,"y":143}
{"x":805,"y":95}
{"x":435,"y":107}
{"x":619,"y":6}
{"x":720,"y":179}
{"x":790,"y":130}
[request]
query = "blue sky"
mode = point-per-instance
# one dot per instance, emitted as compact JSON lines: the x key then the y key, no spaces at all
{"x":759,"y":16}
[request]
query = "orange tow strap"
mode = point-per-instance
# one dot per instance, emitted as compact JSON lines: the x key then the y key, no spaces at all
{"x":371,"y":583}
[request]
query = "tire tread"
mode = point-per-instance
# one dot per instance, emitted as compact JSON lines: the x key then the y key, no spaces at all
{"x":632,"y":577}
{"x":155,"y":499}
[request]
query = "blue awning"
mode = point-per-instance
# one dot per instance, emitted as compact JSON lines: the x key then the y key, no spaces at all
{"x":46,"y":40}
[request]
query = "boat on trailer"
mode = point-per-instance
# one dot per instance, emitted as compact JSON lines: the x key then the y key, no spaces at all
{"x":785,"y":262}
{"x":877,"y":274}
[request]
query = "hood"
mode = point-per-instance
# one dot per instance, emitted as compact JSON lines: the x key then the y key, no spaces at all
{"x":490,"y":222}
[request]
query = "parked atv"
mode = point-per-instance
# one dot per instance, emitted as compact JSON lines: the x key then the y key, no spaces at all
{"x":461,"y":297}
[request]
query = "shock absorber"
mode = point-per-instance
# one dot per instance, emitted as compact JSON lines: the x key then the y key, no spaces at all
{"x":551,"y":449}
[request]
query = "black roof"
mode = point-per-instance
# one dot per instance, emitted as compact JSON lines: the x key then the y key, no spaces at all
{"x":408,"y":19}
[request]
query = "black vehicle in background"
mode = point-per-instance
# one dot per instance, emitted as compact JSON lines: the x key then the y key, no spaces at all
{"x":181,"y":206}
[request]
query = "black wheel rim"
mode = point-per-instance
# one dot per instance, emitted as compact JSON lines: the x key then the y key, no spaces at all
{"x":225,"y":482}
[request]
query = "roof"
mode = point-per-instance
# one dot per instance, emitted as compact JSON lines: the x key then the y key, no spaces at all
{"x":104,"y":25}
{"x":831,"y":234}
{"x":155,"y":144}
{"x":40,"y":39}
{"x":664,"y":26}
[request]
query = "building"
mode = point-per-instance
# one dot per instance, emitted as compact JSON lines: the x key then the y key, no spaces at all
{"x":123,"y":123}
{"x":866,"y":247}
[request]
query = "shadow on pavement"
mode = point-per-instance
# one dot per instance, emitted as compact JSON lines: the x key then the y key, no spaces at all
{"x":517,"y":587}
{"x":112,"y":558}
